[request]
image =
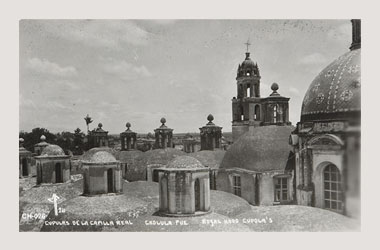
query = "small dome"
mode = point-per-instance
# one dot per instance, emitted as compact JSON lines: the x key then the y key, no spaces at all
{"x":43,"y":138}
{"x":335,"y":92}
{"x":88,"y":154}
{"x":102,"y":157}
{"x":52,"y":150}
{"x":185,"y":162}
{"x":261,"y":149}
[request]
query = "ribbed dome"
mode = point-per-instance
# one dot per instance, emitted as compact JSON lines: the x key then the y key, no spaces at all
{"x":335,"y":92}
{"x":52,"y":150}
{"x":261,"y":149}
{"x":185,"y":162}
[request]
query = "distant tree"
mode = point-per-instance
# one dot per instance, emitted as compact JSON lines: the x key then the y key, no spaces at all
{"x":32,"y":138}
{"x":78,"y":143}
{"x":88,"y":120}
{"x":65,"y":141}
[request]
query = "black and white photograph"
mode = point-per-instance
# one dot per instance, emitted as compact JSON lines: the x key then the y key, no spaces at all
{"x":189,"y":125}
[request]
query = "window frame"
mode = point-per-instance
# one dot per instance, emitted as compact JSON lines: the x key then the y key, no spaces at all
{"x":283,"y":180}
{"x":236,"y":185}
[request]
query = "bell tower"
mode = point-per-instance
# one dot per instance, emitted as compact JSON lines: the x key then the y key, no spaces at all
{"x":249,"y":109}
{"x":248,"y":89}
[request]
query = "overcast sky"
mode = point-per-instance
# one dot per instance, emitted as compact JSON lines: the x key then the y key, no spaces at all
{"x":138,"y":71}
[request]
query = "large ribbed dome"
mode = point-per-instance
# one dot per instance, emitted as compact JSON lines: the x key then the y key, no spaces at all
{"x":261,"y":149}
{"x":335,"y":92}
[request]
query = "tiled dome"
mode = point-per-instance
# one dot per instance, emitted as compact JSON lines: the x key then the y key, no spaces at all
{"x":185,"y":162}
{"x":52,"y":150}
{"x":335,"y":92}
{"x":261,"y":149}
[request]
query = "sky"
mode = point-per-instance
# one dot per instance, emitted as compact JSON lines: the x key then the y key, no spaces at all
{"x":138,"y":71}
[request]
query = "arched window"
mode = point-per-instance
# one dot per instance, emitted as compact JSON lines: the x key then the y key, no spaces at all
{"x":274,"y":113}
{"x":197,"y":194}
{"x":332,"y":184}
{"x":257,"y":113}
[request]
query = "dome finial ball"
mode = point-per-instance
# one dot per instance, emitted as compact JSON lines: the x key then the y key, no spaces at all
{"x":210,"y":117}
{"x":128,"y":125}
{"x":100,"y":125}
{"x":163,"y":120}
{"x":274,"y":86}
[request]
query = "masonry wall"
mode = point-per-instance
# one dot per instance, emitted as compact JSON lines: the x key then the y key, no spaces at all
{"x":46,"y":170}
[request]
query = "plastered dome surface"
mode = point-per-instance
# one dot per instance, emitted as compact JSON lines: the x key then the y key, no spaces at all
{"x":52,"y":150}
{"x":185,"y":162}
{"x":261,"y":149}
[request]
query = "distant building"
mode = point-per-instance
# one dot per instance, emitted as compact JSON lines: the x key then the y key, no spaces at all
{"x":327,"y":139}
{"x":128,"y":139}
{"x":97,"y":137}
{"x":189,"y":143}
{"x":163,"y":135}
{"x":101,"y":173}
{"x":129,"y":155}
{"x":211,"y":135}
{"x":25,"y":159}
{"x":53,"y":166}
{"x":184,"y":188}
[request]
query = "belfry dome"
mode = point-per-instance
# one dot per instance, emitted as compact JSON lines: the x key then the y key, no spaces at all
{"x":335,"y":92}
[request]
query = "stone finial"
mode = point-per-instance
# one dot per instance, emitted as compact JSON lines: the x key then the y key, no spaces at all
{"x":163,"y":120}
{"x":274,"y":87}
{"x":210,"y":117}
{"x":100,"y":125}
{"x":128,"y":125}
{"x":43,"y":138}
